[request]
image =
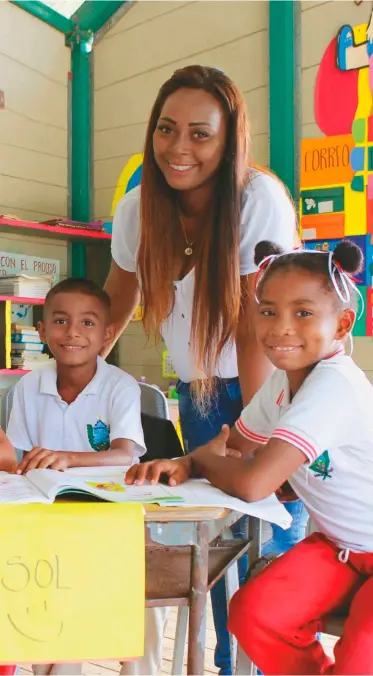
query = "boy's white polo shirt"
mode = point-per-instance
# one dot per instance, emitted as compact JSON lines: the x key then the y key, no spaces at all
{"x":107,"y":409}
{"x":330,"y":420}
{"x":266,"y":213}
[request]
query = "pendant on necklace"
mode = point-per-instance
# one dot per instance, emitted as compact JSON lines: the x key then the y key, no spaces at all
{"x":188,"y":251}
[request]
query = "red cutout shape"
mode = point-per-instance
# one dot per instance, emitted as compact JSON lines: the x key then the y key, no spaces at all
{"x":335,"y":95}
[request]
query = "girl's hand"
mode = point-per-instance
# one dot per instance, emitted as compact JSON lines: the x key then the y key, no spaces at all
{"x":218,"y":446}
{"x":177,"y":471}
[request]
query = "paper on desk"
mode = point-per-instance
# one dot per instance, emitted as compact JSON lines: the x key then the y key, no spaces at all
{"x":200,"y":493}
{"x":17,"y":489}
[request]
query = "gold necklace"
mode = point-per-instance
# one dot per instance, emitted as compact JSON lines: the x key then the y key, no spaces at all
{"x":189,"y":245}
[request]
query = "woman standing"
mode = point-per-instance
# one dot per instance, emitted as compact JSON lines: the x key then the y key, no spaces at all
{"x":187,"y":236}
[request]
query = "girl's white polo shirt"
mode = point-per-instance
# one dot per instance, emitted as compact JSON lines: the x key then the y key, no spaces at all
{"x":267,"y":213}
{"x":330,"y":420}
{"x":107,"y":409}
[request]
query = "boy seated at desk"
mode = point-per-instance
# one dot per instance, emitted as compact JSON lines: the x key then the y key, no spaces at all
{"x":77,"y":410}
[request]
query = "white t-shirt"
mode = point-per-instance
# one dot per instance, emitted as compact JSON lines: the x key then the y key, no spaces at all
{"x":330,"y":420}
{"x":267,"y":213}
{"x":107,"y":409}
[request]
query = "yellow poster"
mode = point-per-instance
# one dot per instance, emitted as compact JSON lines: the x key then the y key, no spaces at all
{"x":72,"y":582}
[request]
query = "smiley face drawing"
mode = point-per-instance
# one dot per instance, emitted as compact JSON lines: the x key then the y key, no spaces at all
{"x":35,"y":627}
{"x":35,"y":619}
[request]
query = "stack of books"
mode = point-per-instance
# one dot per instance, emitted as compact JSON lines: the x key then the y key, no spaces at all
{"x":26,"y":286}
{"x":27,"y":348}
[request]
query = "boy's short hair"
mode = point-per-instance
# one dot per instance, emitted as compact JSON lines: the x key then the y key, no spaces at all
{"x":78,"y":285}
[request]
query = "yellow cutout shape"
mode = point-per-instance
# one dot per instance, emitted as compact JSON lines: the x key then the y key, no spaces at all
{"x":355,"y":212}
{"x":8,"y":334}
{"x":132,"y":165}
{"x":364,"y":106}
{"x":360,"y":33}
{"x":69,"y":590}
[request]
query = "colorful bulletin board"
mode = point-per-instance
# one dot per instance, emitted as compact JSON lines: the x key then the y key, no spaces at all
{"x":336,"y":176}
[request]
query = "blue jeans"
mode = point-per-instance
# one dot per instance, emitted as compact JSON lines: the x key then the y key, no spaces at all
{"x":283,"y":540}
{"x":197,"y":430}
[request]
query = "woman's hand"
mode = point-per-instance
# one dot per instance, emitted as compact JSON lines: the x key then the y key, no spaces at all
{"x":177,"y":471}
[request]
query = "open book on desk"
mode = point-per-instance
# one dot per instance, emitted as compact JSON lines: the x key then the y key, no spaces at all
{"x":107,"y":483}
{"x":45,"y":485}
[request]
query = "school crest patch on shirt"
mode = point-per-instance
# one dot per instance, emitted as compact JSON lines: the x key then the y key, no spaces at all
{"x":99,"y":436}
{"x":321,"y":466}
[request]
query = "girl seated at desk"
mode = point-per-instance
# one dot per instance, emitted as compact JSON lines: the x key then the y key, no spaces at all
{"x":311,"y":424}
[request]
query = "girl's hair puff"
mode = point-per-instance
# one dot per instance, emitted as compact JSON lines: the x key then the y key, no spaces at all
{"x":347,"y":257}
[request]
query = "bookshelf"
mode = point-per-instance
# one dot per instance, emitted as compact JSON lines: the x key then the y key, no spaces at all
{"x":88,"y":256}
{"x":6,"y":303}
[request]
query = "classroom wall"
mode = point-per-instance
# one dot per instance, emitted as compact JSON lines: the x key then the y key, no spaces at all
{"x":144,"y":48}
{"x":320,"y":23}
{"x":34,"y":65}
{"x":142,"y":51}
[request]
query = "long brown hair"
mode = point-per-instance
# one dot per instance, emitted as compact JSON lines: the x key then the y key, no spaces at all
{"x":217,"y":295}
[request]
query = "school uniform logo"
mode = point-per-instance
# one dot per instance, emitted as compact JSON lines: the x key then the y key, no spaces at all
{"x":99,"y":436}
{"x":321,"y":466}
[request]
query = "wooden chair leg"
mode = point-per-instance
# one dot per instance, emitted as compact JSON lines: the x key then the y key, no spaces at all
{"x":238,"y":658}
{"x":231,"y":584}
